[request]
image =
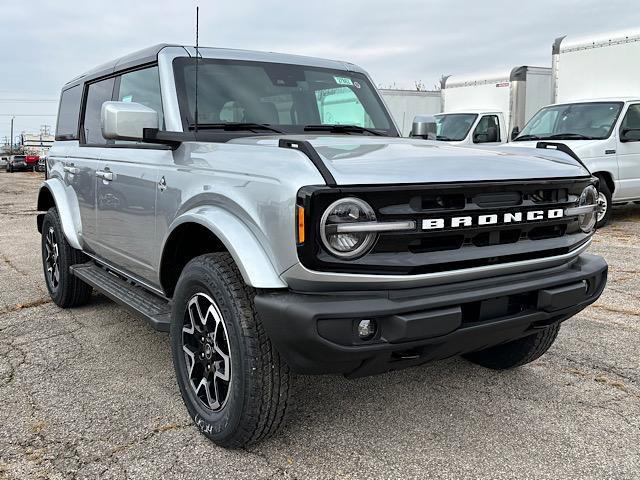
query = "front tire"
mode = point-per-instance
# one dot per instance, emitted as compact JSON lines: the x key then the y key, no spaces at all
{"x":517,"y":352}
{"x":65,"y":289}
{"x":604,"y":203}
{"x":234,"y":384}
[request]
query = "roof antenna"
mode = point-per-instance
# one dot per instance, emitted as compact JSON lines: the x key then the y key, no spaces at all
{"x":197,"y":61}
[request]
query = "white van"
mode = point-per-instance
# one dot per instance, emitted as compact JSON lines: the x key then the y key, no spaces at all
{"x":597,"y":112}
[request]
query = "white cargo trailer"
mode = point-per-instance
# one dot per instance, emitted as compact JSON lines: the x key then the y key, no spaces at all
{"x":596,"y":84}
{"x":488,"y":107}
{"x":406,"y":104}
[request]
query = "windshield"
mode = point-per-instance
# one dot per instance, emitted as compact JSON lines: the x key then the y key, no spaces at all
{"x":285,"y":97}
{"x":454,"y":127}
{"x":576,"y":121}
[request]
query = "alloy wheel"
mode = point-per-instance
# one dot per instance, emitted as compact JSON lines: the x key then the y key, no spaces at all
{"x":52,"y":259}
{"x":207,"y":353}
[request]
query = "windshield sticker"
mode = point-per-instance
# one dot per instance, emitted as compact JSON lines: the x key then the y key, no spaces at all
{"x":128,"y":98}
{"x":356,"y":84}
{"x":343,"y":80}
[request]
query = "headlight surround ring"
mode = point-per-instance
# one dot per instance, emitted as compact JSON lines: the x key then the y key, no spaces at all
{"x":588,"y":197}
{"x":347,"y":246}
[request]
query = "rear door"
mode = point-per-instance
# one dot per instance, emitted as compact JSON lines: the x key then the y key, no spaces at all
{"x":127,"y":185}
{"x":629,"y":156}
{"x":82,"y":162}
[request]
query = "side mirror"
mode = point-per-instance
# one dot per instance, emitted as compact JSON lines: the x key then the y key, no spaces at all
{"x":630,"y":135}
{"x":424,"y":126}
{"x":515,"y":132}
{"x":126,"y":120}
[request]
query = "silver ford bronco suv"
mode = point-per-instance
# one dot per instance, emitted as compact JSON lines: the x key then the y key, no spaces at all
{"x":263,"y":209}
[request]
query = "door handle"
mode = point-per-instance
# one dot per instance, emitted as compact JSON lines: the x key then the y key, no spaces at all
{"x":71,"y":169}
{"x":104,"y":175}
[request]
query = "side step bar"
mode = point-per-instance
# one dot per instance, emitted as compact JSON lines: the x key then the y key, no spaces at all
{"x":156,"y":310}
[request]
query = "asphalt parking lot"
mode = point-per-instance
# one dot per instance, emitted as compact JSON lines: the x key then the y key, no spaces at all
{"x":90,"y":392}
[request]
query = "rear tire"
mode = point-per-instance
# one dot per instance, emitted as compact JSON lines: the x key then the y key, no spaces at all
{"x":220,"y":349}
{"x":516,"y":353}
{"x":65,"y":289}
{"x":604,"y":203}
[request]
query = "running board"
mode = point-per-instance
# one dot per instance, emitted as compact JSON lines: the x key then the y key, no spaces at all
{"x":156,"y":310}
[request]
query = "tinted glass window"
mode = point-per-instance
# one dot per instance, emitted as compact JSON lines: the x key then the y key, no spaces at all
{"x":488,"y":130}
{"x":574,"y":121}
{"x":142,"y":86}
{"x":98,"y":93}
{"x":288,"y":97}
{"x":454,"y":127}
{"x":68,"y":114}
{"x":630,"y":127}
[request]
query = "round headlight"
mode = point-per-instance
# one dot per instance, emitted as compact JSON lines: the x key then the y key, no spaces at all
{"x":347,"y":244}
{"x":588,"y":197}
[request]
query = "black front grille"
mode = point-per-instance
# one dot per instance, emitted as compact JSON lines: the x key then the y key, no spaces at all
{"x":440,"y":249}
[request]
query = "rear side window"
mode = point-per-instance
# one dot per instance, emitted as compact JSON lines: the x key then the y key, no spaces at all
{"x":68,"y":114}
{"x":142,"y":86}
{"x":97,"y":94}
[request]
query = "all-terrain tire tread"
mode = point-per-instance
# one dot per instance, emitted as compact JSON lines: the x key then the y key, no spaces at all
{"x":266,"y":411}
{"x":74,"y":291}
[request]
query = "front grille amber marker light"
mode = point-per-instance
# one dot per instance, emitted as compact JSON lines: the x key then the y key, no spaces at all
{"x":300,"y":212}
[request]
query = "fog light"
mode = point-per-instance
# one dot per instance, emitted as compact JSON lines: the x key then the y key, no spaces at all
{"x":366,"y":329}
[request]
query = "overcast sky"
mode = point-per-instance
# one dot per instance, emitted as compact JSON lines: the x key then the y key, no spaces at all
{"x":45,"y":43}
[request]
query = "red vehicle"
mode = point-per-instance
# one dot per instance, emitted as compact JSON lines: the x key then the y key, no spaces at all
{"x":32,"y":161}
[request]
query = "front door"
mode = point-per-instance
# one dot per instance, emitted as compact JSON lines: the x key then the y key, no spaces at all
{"x":127,"y":184}
{"x":629,"y":155}
{"x":128,"y":180}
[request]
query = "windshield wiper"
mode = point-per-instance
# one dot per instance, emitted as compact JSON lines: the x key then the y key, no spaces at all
{"x":569,"y":136}
{"x":527,"y":137}
{"x":337,"y":128}
{"x":233,"y":126}
{"x":445,"y":139}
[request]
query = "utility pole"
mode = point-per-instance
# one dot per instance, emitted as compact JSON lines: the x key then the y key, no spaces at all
{"x":11,"y":137}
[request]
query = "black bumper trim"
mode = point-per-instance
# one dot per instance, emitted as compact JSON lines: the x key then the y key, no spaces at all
{"x":315,"y":333}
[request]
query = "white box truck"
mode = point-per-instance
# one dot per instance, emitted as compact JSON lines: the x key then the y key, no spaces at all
{"x":486,"y":108}
{"x":596,"y":84}
{"x":406,"y":104}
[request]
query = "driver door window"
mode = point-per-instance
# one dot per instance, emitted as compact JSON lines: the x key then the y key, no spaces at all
{"x":630,"y":127}
{"x":488,"y":130}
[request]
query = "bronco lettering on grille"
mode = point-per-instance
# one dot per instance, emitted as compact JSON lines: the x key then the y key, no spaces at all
{"x":492,"y":219}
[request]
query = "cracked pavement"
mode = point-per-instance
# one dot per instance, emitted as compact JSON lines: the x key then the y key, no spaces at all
{"x":90,"y":393}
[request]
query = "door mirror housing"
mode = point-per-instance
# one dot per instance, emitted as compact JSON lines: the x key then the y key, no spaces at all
{"x":630,"y":135}
{"x":127,"y":120}
{"x":515,"y":132}
{"x":424,"y":126}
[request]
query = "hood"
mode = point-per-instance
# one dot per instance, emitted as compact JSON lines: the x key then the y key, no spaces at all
{"x":363,"y":160}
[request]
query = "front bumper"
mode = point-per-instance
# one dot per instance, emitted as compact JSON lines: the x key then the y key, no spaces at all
{"x":316,"y":333}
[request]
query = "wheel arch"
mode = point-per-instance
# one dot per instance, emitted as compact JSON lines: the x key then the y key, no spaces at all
{"x":608,"y":179}
{"x":53,"y":194}
{"x":213,"y":229}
